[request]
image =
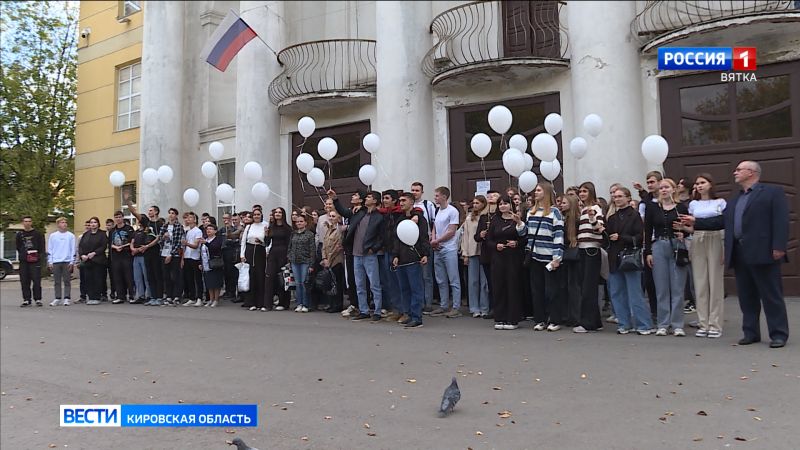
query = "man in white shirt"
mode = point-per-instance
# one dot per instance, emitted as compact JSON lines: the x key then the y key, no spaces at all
{"x":445,"y":255}
{"x":61,"y":261}
{"x":192,"y":276}
{"x":429,"y":212}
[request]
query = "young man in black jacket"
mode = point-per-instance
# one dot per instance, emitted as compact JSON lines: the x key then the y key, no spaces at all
{"x":392,"y":215}
{"x":365,"y":235}
{"x":408,"y":261}
{"x":31,"y":251}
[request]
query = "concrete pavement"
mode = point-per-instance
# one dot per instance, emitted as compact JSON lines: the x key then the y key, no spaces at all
{"x":322,"y":382}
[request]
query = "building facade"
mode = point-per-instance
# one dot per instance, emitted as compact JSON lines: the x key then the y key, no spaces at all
{"x":423,"y":75}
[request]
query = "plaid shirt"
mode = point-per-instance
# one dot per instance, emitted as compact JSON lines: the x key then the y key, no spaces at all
{"x":177,"y":235}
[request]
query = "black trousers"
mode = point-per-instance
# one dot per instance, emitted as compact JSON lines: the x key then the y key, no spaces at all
{"x":155,"y":276}
{"x":590,"y":272}
{"x":122,"y":276}
{"x":95,"y":277}
{"x":31,"y":274}
{"x":336,"y":302}
{"x":256,"y":256}
{"x":192,"y":279}
{"x":547,"y":306}
{"x":528,"y":307}
{"x":487,"y":272}
{"x":230,"y":256}
{"x":274,"y":278}
{"x":173,"y":278}
{"x":506,"y":276}
{"x":760,"y":284}
{"x":568,"y":280}
{"x":83,"y":286}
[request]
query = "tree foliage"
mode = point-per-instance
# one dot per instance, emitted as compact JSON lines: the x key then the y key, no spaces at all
{"x":38,"y":86}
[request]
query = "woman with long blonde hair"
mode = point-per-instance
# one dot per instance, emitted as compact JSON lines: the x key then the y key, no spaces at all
{"x":478,"y":289}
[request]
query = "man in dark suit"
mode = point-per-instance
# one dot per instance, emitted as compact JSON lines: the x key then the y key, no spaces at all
{"x":756,"y":236}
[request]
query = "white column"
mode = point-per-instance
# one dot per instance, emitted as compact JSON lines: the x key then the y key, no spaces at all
{"x":405,"y":116}
{"x":257,"y":120}
{"x":606,"y":81}
{"x":162,"y":101}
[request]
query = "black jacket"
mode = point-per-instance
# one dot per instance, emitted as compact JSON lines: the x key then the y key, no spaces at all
{"x":373,"y":240}
{"x":628,"y":224}
{"x":30,"y":241}
{"x":406,"y":254}
{"x":765,"y":226}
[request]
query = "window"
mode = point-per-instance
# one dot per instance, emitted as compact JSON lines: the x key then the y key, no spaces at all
{"x":226,"y":174}
{"x":129,"y":100}
{"x":9,"y":244}
{"x":127,"y":191}
{"x":127,"y":8}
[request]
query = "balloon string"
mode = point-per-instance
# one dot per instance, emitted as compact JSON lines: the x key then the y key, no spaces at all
{"x":282,"y":198}
{"x":380,"y":166}
{"x":302,"y":185}
{"x":483,"y":166}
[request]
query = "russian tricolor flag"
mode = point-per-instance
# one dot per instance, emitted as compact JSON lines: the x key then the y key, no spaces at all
{"x":229,"y":37}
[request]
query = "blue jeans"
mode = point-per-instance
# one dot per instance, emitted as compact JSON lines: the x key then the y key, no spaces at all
{"x":670,"y":281}
{"x":390,"y":289}
{"x":367,"y":267}
{"x":478,"y":287}
{"x":300,"y":272}
{"x":630,"y":306}
{"x":140,"y":278}
{"x":446,"y":269}
{"x":427,"y":280}
{"x":410,"y":291}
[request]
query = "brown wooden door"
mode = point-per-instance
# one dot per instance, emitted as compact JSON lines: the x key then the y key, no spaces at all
{"x":711,"y":126}
{"x":466,"y":121}
{"x":341,"y":174}
{"x":530,"y":28}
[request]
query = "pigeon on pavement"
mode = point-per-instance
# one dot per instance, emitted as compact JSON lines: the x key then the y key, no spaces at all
{"x":451,"y":396}
{"x":240,"y":445}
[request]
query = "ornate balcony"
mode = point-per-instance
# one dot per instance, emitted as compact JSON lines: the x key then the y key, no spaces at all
{"x":324,"y":73}
{"x":497,"y":41}
{"x":714,"y":22}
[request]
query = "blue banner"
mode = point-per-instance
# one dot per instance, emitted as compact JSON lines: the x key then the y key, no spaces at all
{"x":695,"y":58}
{"x":184,"y":415}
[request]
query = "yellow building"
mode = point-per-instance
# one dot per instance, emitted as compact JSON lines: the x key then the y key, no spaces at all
{"x":108,"y":105}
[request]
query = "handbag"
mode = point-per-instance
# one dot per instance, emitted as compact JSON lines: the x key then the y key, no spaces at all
{"x":216,"y":263}
{"x":325,"y":282}
{"x":681,"y":254}
{"x":289,"y":281}
{"x":32,"y":257}
{"x":630,"y":260}
{"x":244,"y":277}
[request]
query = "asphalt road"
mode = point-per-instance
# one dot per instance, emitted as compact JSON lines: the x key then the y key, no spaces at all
{"x":323,"y":382}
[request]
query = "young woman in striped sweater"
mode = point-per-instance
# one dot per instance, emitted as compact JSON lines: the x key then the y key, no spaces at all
{"x":545,"y":247}
{"x":590,"y":238}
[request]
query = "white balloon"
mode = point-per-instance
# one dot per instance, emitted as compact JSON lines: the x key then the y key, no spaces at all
{"x":252,"y":170}
{"x":316,"y":177}
{"x":578,"y":147}
{"x":116,"y":178}
{"x":655,"y":149}
{"x":327,"y":148}
{"x":150,"y":176}
{"x":481,"y":145}
{"x":305,"y":162}
{"x":528,"y":161}
{"x":593,"y":124}
{"x":191,"y":197}
{"x":371,"y":142}
{"x":216,"y":149}
{"x":553,"y":123}
{"x":550,"y":169}
{"x":500,"y":119}
{"x":513,"y":162}
{"x":260,"y":191}
{"x":518,"y":142}
{"x":306,"y":126}
{"x":528,"y":181}
{"x":209,"y":169}
{"x":165,"y":174}
{"x":408,"y":232}
{"x":224,"y":193}
{"x":544,"y":147}
{"x":367,"y":174}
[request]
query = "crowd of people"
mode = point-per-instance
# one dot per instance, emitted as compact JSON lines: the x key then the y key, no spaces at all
{"x":546,"y":257}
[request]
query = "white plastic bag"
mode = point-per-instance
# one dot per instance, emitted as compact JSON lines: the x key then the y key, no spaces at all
{"x":244,"y":276}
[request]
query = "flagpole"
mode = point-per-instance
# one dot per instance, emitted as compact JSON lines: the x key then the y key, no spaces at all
{"x":258,"y":36}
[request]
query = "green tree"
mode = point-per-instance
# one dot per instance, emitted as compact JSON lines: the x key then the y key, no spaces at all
{"x":38,"y":85}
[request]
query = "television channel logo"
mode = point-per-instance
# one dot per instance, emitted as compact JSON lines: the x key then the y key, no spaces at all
{"x":736,"y":63}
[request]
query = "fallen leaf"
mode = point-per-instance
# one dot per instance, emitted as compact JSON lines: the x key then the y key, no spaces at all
{"x":775,"y":365}
{"x":304,"y":438}
{"x":728,"y":397}
{"x":658,"y":396}
{"x":753,"y":370}
{"x":663,"y":419}
{"x":752,"y":409}
{"x":739,"y":438}
{"x":743,"y":378}
{"x":319,"y":379}
{"x":327,"y":417}
{"x":227,"y":357}
{"x":702,"y":413}
{"x":645,"y":383}
{"x":757,"y":418}
{"x":284,"y":408}
{"x":411,"y":380}
{"x":697,"y":439}
{"x":720,"y":437}
{"x":403,"y":396}
{"x":230,"y":431}
{"x":480,"y":373}
{"x":478,"y":433}
{"x":180,"y":401}
{"x":669,"y":413}
{"x":366,"y":425}
{"x":583,"y":375}
{"x":697,"y":354}
{"x":486,"y":403}
{"x":52,"y":445}
{"x":537,"y":379}
{"x":499,"y":425}
{"x":504,"y":414}
{"x":525,"y":360}
{"x":28,"y":398}
{"x":371,"y":434}
{"x":497,"y":388}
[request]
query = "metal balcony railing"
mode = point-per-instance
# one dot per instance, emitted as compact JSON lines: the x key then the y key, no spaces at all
{"x":659,"y":16}
{"x":488,"y":31}
{"x":321,"y":67}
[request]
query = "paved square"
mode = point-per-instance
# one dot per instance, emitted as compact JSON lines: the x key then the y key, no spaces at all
{"x":323,"y":382}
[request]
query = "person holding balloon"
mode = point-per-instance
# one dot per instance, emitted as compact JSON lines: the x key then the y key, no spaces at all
{"x":411,"y":249}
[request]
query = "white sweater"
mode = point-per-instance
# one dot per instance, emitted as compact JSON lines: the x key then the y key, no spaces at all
{"x":61,"y":247}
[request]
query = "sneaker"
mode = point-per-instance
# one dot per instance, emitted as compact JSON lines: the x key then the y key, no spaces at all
{"x":157,"y":302}
{"x":92,"y":302}
{"x":347,"y":312}
{"x":299,"y":308}
{"x":262,"y":309}
{"x":25,"y":304}
{"x":392,"y":316}
{"x":476,"y":315}
{"x":553,"y":327}
{"x":612,"y":319}
{"x":55,"y":302}
{"x":384,"y":313}
{"x":579,"y":329}
{"x":199,"y":302}
{"x":661,"y":332}
{"x":38,"y":303}
{"x":279,"y":308}
{"x":644,"y":332}
{"x":679,"y":332}
{"x":689,"y":309}
{"x":539,"y":327}
{"x":375,"y":318}
{"x":213,"y":304}
{"x":498,"y":325}
{"x":117,"y":301}
{"x":413,"y":324}
{"x":453,"y":314}
{"x":510,"y":326}
{"x":701,"y":333}
{"x":188,"y":303}
{"x":623,"y":331}
{"x":252,"y":308}
{"x":437,"y":312}
{"x":66,"y":302}
{"x":150,"y":302}
{"x":404,"y":319}
{"x":714,"y":334}
{"x":360,"y":316}
{"x":426,"y":311}
{"x":303,"y":309}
